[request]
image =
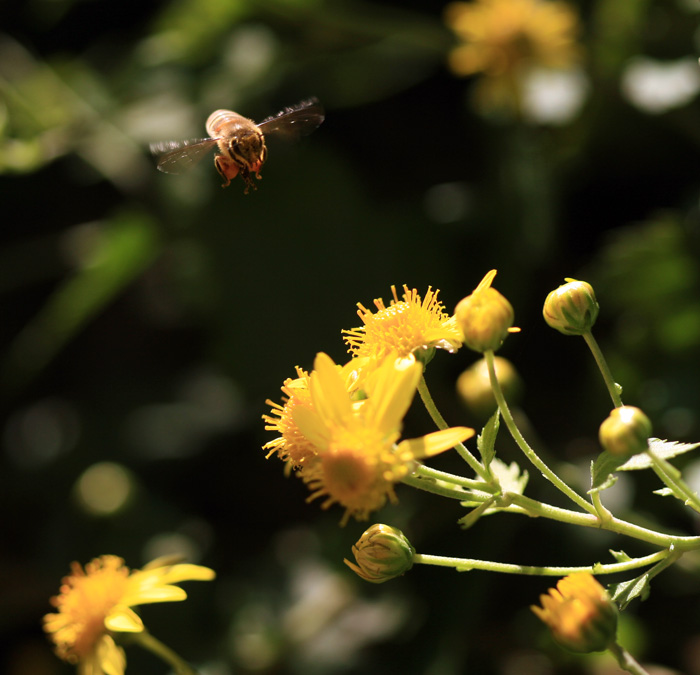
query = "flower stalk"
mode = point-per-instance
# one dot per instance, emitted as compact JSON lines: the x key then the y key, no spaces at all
{"x":163,"y":652}
{"x":469,"y":564}
{"x":523,"y":444}
{"x":440,"y":423}
{"x":625,"y":660}
{"x":614,"y":389}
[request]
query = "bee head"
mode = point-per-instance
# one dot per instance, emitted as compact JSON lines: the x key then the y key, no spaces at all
{"x":248,"y":149}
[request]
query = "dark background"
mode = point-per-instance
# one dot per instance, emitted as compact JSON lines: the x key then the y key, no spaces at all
{"x":145,"y":318}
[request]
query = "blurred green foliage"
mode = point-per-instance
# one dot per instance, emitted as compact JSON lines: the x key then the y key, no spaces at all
{"x":147,"y":317}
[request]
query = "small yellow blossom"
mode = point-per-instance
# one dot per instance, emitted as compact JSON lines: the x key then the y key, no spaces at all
{"x":579,"y":613}
{"x":407,"y":325}
{"x":358,"y":459}
{"x":474,"y":386}
{"x":572,"y":309}
{"x":382,"y":553}
{"x":95,"y":604}
{"x":505,"y":39}
{"x":485,"y":317}
{"x":625,"y":432}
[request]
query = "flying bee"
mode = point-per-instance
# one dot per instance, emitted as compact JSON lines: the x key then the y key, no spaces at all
{"x":239,"y":141}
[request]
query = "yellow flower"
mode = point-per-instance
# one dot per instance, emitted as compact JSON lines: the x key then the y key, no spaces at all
{"x":504,"y":39}
{"x":94,"y":604}
{"x":405,"y":326}
{"x":358,"y":459}
{"x":485,"y":317}
{"x":291,"y":445}
{"x":579,"y":613}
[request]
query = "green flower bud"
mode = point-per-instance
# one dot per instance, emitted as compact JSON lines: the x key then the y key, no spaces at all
{"x":625,"y":432}
{"x":474,"y":385}
{"x":572,"y":308}
{"x":485,"y":317}
{"x":382,"y":553}
{"x":579,"y":613}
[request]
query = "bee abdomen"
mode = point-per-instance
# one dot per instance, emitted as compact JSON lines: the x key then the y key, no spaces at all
{"x":221,"y":120}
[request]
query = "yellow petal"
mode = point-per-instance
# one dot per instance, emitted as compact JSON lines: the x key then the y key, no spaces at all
{"x":437,"y":442}
{"x":157,"y":593}
{"x":186,"y":572}
{"x":486,"y":281}
{"x":110,"y":658}
{"x":124,"y":620}
{"x":391,"y":393}
{"x":311,"y":426}
{"x":328,"y":393}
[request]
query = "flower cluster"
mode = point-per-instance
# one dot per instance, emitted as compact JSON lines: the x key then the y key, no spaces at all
{"x":339,"y":426}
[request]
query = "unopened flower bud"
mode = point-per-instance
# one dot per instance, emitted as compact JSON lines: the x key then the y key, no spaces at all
{"x":572,"y":308}
{"x":382,"y":553}
{"x":625,"y":432}
{"x":485,"y":317}
{"x":474,"y":385}
{"x":579,"y":613}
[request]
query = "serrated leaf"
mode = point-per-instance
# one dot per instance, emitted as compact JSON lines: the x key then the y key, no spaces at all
{"x":662,"y":449}
{"x":620,"y":556}
{"x":509,"y":476}
{"x":602,"y":469}
{"x":664,"y":492}
{"x":486,"y":440}
{"x":467,"y":521}
{"x":626,"y":591}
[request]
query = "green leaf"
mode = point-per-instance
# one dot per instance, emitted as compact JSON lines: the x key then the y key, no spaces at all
{"x":662,"y":449}
{"x":620,"y":556}
{"x":467,"y":521}
{"x":486,"y":441}
{"x":602,"y":469}
{"x":664,"y":492}
{"x":626,"y":591}
{"x":509,"y":477}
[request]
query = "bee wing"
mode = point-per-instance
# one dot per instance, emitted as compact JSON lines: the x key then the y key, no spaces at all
{"x":178,"y":156}
{"x":295,"y":121}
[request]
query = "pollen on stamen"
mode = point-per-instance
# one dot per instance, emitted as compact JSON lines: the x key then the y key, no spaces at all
{"x":404,"y":326}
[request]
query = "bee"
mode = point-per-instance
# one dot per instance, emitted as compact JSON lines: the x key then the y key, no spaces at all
{"x":240,"y":142}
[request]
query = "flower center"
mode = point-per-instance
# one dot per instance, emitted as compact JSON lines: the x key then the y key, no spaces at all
{"x":86,"y":599}
{"x":348,"y":474}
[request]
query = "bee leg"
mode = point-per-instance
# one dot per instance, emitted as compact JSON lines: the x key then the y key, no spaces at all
{"x":227,"y":169}
{"x":248,"y":180}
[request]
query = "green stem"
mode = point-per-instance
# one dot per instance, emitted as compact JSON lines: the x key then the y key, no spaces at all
{"x":440,"y":422}
{"x":533,"y":507}
{"x":625,"y":660}
{"x":468,"y":564}
{"x":431,"y":483}
{"x":614,"y":389}
{"x":469,"y":483}
{"x":671,"y":477}
{"x":163,"y":652}
{"x":602,"y":512}
{"x":523,"y":445}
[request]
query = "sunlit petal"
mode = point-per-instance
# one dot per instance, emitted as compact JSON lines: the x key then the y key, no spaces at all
{"x":330,"y":398}
{"x":437,"y":442}
{"x":124,"y":620}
